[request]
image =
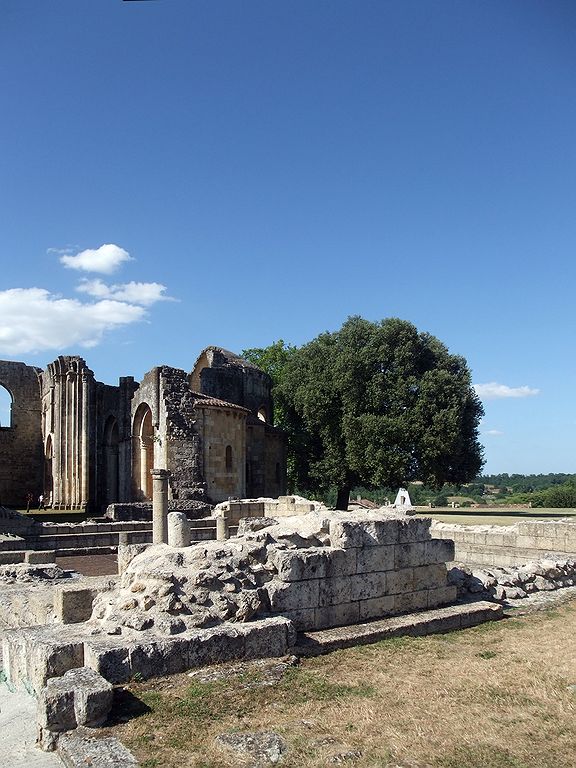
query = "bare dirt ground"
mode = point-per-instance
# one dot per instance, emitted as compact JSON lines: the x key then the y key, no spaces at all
{"x":502,"y":695}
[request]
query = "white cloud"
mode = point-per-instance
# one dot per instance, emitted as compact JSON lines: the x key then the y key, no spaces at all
{"x":134,"y":293}
{"x":105,"y":259}
{"x":33,"y":319}
{"x":493,"y":432}
{"x":492,"y":390}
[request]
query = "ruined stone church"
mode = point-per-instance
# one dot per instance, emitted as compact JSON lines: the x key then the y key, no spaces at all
{"x":84,"y":444}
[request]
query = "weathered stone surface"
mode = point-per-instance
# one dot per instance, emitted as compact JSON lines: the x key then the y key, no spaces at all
{"x":346,"y":533}
{"x":379,"y":558}
{"x":400,"y":581}
{"x":334,"y":591}
{"x":261,"y":748}
{"x":270,"y":637}
{"x":79,"y":749}
{"x":178,"y":529}
{"x":367,"y":585}
{"x":376,"y":607}
{"x":409,"y":555}
{"x":302,"y":565}
{"x":294,"y":596}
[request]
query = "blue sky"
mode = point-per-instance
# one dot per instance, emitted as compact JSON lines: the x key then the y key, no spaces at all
{"x":181,"y":173}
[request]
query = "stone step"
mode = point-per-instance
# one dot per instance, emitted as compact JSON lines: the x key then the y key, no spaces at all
{"x":414,"y":625}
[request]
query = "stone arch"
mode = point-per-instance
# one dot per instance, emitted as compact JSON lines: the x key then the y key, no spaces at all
{"x":142,"y":452}
{"x":111,"y":460}
{"x":6,"y":401}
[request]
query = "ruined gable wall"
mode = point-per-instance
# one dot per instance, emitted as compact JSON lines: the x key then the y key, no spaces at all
{"x":177,"y":442}
{"x":181,"y":437}
{"x":21,"y":452}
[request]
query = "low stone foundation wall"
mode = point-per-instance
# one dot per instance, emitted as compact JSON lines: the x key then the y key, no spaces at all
{"x":142,"y":510}
{"x":373,"y":568}
{"x":34,"y":655}
{"x":510,"y":545}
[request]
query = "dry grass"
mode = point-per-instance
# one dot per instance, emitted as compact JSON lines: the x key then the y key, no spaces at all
{"x":496,"y":696}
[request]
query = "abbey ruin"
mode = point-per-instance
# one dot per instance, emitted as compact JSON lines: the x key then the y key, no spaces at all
{"x":83,"y":444}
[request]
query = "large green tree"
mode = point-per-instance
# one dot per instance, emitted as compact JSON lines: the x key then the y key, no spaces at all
{"x":377,"y":405}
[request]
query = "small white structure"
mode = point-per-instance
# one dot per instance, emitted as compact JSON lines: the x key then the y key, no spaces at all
{"x":402,"y":499}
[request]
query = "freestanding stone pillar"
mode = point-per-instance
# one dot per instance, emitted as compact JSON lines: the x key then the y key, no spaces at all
{"x":222,"y":530}
{"x":159,"y":505}
{"x":178,"y":530}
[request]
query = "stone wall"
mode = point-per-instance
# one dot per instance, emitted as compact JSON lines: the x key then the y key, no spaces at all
{"x":224,"y":457}
{"x":372,"y":569}
{"x":508,"y":545}
{"x":21,"y":451}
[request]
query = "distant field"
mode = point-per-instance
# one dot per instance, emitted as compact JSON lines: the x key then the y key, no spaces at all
{"x":494,"y":516}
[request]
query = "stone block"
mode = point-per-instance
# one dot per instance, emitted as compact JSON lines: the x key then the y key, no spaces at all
{"x":373,"y":559}
{"x":367,"y":585}
{"x":430,"y":576}
{"x":376,"y":607}
{"x":92,"y":696}
{"x":73,"y":604}
{"x":268,"y":637}
{"x":301,"y":565}
{"x":412,"y":529}
{"x":335,"y":591}
{"x":442,"y":596}
{"x":341,"y":562}
{"x":345,"y":534}
{"x":400,"y":581}
{"x":411,"y":601}
{"x":110,"y":657}
{"x":35,"y":557}
{"x":410,"y":555}
{"x":337,"y":615}
{"x":290,"y":596}
{"x":79,"y":749}
{"x":15,"y":556}
{"x":48,"y":658}
{"x":439,"y":551}
{"x":160,"y":656}
{"x":55,"y":706}
{"x":302,"y":619}
{"x":215,"y":646}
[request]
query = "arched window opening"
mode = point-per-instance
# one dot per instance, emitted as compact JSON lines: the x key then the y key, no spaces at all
{"x":262,"y":413}
{"x":111,"y":468}
{"x":142,"y":452}
{"x":5,"y":407}
{"x":228,"y":458}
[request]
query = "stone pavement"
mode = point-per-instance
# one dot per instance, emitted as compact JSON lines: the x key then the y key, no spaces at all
{"x":18,"y":729}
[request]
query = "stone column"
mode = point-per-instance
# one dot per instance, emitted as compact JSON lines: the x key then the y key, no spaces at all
{"x":178,"y":530}
{"x":222,"y":531}
{"x":159,"y":505}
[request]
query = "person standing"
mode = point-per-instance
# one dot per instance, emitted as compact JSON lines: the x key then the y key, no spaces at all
{"x":41,"y":501}
{"x":29,"y":500}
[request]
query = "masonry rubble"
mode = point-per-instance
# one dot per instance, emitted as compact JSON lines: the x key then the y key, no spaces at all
{"x":513,"y":583}
{"x":175,"y":607}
